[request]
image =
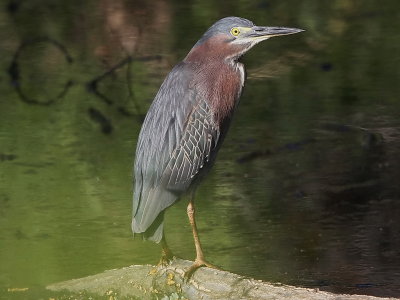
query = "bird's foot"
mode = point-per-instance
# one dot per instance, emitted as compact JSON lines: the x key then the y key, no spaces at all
{"x":166,"y":255}
{"x":165,"y":259}
{"x":198,"y":263}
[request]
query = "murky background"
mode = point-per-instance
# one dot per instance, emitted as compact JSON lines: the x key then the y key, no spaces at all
{"x":306,"y":187}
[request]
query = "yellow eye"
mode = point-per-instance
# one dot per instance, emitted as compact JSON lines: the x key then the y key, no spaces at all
{"x":235,"y":31}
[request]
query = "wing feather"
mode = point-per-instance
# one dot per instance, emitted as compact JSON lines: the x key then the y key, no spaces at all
{"x":174,"y":144}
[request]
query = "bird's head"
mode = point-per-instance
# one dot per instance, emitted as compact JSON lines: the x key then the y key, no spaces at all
{"x":231,"y":37}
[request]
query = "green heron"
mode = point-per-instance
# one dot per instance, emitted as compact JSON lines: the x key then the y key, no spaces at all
{"x":186,"y":125}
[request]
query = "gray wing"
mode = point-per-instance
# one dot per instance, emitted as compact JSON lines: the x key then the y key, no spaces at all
{"x":175,"y":142}
{"x":199,"y":138}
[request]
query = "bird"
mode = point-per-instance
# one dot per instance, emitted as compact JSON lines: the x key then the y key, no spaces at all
{"x":186,"y":124}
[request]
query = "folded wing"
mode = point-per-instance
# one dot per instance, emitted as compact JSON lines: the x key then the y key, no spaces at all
{"x":175,"y":143}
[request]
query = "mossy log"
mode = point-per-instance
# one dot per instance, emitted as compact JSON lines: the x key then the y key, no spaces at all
{"x":151,"y":282}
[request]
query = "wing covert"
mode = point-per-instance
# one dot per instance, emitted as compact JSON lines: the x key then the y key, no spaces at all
{"x":175,"y":142}
{"x":199,"y":138}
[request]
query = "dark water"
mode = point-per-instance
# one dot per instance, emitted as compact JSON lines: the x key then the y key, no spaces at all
{"x":306,"y":187}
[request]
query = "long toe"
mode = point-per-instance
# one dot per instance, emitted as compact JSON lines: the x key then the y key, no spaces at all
{"x":196,"y":265}
{"x":208,"y":265}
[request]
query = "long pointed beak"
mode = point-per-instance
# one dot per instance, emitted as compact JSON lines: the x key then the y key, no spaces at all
{"x":260,"y":32}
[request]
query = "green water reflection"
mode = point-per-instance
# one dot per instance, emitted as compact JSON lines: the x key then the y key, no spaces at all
{"x":305,"y":190}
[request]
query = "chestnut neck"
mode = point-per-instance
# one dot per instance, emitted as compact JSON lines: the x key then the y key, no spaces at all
{"x":218,"y":75}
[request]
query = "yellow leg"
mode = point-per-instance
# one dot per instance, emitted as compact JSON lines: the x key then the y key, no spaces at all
{"x":199,"y":261}
{"x":166,"y":253}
